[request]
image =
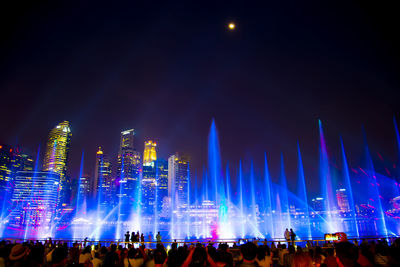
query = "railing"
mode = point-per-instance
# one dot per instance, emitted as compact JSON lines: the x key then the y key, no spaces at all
{"x":313,"y":242}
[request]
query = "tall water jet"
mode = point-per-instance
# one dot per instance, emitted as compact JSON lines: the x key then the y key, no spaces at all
{"x":284,"y":200}
{"x":254,"y":211}
{"x":241,"y":208}
{"x":398,"y":155}
{"x":188,"y":204}
{"x":214,"y":160}
{"x":268,"y":220}
{"x":214,"y":163}
{"x":32,"y":197}
{"x":303,"y":192}
{"x":228,"y":191}
{"x":349,"y":189}
{"x":78,"y":195}
{"x":374,"y":192}
{"x":326,"y":183}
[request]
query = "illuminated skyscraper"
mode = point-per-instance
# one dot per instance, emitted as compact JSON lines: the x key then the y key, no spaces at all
{"x":56,"y":156}
{"x":11,"y":161}
{"x":102,"y":182}
{"x":342,"y":200}
{"x":161,"y":167}
{"x":128,"y":171}
{"x":148,"y":188}
{"x":150,"y":153}
{"x":178,"y":176}
{"x":34,"y":198}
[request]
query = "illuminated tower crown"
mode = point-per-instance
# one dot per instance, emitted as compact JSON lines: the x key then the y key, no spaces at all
{"x":150,"y":153}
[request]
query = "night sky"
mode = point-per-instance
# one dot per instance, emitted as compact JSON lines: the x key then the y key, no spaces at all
{"x":166,"y":69}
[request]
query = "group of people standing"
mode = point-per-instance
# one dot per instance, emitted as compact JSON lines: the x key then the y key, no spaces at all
{"x":290,"y":236}
{"x":136,"y":237}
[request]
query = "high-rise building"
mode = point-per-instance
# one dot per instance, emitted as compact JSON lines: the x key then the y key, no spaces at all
{"x":148,"y":188}
{"x":342,"y":200}
{"x":149,"y":154}
{"x":128,"y":172}
{"x":56,"y":157}
{"x":11,"y":161}
{"x":178,"y":177}
{"x":34,"y":198}
{"x":84,"y":187}
{"x":161,"y":168}
{"x":103,"y":183}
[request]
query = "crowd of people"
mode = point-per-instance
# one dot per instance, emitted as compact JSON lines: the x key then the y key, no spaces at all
{"x":248,"y":254}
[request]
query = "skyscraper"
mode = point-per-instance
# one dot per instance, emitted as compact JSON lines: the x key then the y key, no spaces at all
{"x":342,"y":200}
{"x":161,"y":168}
{"x":149,"y":154}
{"x":128,"y":171}
{"x":178,"y":177}
{"x":102,"y":183}
{"x":148,"y":188}
{"x":34,"y":198}
{"x":56,"y":156}
{"x":11,"y":161}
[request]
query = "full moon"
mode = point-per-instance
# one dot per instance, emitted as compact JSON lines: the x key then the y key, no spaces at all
{"x":231,"y":26}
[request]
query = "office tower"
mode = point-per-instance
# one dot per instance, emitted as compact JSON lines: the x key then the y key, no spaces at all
{"x":84,"y":187}
{"x":161,"y":169}
{"x":149,"y":154}
{"x":102,"y":182}
{"x":128,"y":171}
{"x":148,"y":188}
{"x":56,"y":157}
{"x":11,"y":161}
{"x":34,"y":198}
{"x":178,"y":176}
{"x":342,"y":200}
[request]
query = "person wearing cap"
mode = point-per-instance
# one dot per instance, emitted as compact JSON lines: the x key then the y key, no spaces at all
{"x":18,"y":255}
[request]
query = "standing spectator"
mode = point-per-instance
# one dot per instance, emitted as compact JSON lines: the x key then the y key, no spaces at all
{"x":133,"y":237}
{"x":127,"y":235}
{"x":97,"y":262}
{"x":346,"y":254}
{"x":19,"y":255}
{"x":86,"y":256}
{"x":111,"y":258}
{"x":330,"y":260}
{"x":292,"y":236}
{"x":249,"y":253}
{"x":286,"y":234}
{"x":302,"y":259}
{"x":158,"y":237}
{"x":74,"y":254}
{"x":288,"y":257}
{"x":263,"y":258}
{"x":142,"y":238}
{"x":137,"y":237}
{"x":282,"y":251}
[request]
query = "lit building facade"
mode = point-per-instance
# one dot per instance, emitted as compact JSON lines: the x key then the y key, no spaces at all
{"x":84,"y":188}
{"x":342,"y":200}
{"x":11,"y":161}
{"x":178,"y":177}
{"x":161,"y":168}
{"x":34,"y":199}
{"x":56,"y":157}
{"x":102,"y":187}
{"x":148,"y":188}
{"x":149,"y":154}
{"x":128,"y":172}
